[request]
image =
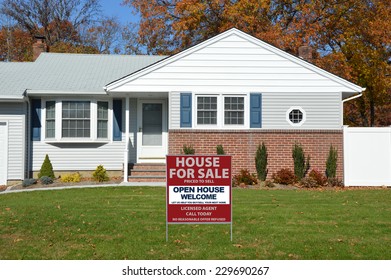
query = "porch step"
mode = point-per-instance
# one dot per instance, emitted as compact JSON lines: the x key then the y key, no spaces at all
{"x":147,"y":172}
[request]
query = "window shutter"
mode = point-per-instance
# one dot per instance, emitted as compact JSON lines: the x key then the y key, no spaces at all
{"x":255,"y":110}
{"x":36,"y":119}
{"x":117,"y":120}
{"x":185,"y":105}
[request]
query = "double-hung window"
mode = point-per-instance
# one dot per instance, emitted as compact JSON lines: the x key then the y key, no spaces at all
{"x":103,"y":119}
{"x":206,"y":110}
{"x":50,"y":119}
{"x":76,"y":119}
{"x":233,"y":110}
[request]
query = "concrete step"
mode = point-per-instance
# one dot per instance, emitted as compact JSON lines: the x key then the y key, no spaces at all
{"x":147,"y":172}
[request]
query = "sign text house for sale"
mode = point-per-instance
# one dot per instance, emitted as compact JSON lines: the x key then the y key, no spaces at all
{"x":199,"y":189}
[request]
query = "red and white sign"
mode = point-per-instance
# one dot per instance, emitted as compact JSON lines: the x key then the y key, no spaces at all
{"x":199,"y":189}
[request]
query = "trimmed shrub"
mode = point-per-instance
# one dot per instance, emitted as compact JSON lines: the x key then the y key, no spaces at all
{"x":244,"y":177}
{"x":71,"y":178}
{"x":46,"y":168}
{"x":261,"y":162}
{"x":220,"y":150}
{"x":285,"y":176}
{"x":29,"y":182}
{"x":188,"y":150}
{"x":301,"y":165}
{"x":100,"y":174}
{"x":309,"y":182}
{"x":45,"y":180}
{"x":319,"y":178}
{"x":331,"y":163}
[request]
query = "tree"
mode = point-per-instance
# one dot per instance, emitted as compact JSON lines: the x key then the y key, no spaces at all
{"x":15,"y":44}
{"x":351,"y":37}
{"x":58,"y":20}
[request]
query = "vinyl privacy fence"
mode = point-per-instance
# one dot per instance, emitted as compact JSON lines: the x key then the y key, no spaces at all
{"x":367,"y":156}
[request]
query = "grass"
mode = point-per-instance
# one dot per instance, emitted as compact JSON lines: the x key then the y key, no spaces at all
{"x":129,"y":223}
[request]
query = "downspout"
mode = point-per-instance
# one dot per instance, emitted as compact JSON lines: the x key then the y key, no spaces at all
{"x":28,"y":142}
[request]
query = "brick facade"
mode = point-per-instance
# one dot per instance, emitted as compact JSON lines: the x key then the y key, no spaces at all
{"x":242,"y":145}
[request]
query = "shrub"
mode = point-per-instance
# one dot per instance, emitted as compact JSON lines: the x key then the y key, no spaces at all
{"x":319,"y":178}
{"x":301,"y":166}
{"x":71,"y":178}
{"x":284,"y":176}
{"x":46,"y":168}
{"x":334,"y":182}
{"x":220,"y":150}
{"x":45,"y":180}
{"x":244,"y":177}
{"x":331,"y":163}
{"x":309,"y":182}
{"x":29,"y":182}
{"x":100,"y":174}
{"x":261,"y":162}
{"x":188,"y":150}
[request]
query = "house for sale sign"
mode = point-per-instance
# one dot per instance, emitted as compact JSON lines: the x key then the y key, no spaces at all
{"x":199,"y":189}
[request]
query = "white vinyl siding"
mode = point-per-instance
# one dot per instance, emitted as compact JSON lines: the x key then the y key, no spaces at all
{"x":233,"y":65}
{"x":14,"y":115}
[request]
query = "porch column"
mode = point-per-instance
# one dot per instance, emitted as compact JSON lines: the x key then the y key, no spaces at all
{"x":126,"y":154}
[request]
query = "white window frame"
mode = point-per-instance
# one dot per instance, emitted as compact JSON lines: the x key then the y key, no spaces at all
{"x":220,"y":111}
{"x":93,"y":121}
{"x":296,"y":108}
{"x":244,"y":111}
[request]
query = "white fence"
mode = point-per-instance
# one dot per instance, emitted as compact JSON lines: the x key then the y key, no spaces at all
{"x":367,"y":156}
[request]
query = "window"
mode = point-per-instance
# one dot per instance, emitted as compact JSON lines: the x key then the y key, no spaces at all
{"x":295,"y":116}
{"x":234,"y":110}
{"x":50,"y":119}
{"x":76,"y":117}
{"x":206,"y":110}
{"x":103,"y":108}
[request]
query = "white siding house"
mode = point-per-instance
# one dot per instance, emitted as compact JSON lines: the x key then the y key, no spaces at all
{"x":85,"y":110}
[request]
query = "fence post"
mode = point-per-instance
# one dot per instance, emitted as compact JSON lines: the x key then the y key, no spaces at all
{"x":345,"y":155}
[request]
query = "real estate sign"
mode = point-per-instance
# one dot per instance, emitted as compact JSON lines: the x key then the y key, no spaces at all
{"x":199,"y":189}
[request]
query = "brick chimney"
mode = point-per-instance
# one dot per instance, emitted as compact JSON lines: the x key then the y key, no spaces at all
{"x":305,"y":52}
{"x":39,"y":46}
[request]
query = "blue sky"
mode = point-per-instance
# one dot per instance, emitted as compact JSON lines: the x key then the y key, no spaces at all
{"x":114,"y":8}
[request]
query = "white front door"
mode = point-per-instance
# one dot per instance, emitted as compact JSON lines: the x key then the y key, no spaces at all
{"x":152,"y":131}
{"x":3,"y":152}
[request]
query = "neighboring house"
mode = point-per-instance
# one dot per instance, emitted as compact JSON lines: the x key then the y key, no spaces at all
{"x":232,"y":90}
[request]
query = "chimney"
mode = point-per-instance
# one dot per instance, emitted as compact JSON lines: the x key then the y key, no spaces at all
{"x":305,"y":52}
{"x":39,"y":46}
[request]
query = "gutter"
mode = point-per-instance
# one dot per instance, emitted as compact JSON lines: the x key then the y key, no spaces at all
{"x":353,"y":97}
{"x":31,"y":92}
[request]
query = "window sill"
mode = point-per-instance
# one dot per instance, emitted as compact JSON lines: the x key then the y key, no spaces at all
{"x":76,"y":140}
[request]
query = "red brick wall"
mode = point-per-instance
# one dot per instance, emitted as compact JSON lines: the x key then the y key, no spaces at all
{"x":242,"y":145}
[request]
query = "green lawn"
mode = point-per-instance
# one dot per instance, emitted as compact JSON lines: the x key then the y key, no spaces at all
{"x":129,"y":223}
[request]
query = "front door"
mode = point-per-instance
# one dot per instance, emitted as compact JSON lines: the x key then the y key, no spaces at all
{"x":152,"y":131}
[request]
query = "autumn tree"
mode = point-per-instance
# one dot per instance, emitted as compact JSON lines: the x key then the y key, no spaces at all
{"x":351,"y":38}
{"x":20,"y":41}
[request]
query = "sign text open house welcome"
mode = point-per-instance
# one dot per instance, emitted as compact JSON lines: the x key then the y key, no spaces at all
{"x":199,"y":189}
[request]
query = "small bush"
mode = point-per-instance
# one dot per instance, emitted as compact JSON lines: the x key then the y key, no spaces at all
{"x":45,"y":180}
{"x":71,"y":178}
{"x":331,"y":163}
{"x":261,"y":162}
{"x":220,"y":150}
{"x":46,"y":168}
{"x":301,"y":165}
{"x":100,"y":174}
{"x":319,"y":178}
{"x":29,"y":182}
{"x":334,"y":182}
{"x":188,"y":150}
{"x":244,"y":177}
{"x":309,"y":182}
{"x":284,"y":176}
{"x":269,"y":184}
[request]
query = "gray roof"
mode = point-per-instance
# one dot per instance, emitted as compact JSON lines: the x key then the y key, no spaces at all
{"x":58,"y":72}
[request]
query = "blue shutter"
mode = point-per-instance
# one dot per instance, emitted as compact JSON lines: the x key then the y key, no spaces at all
{"x":185,"y":104}
{"x":255,"y":110}
{"x":36,"y":119}
{"x":117,"y":120}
